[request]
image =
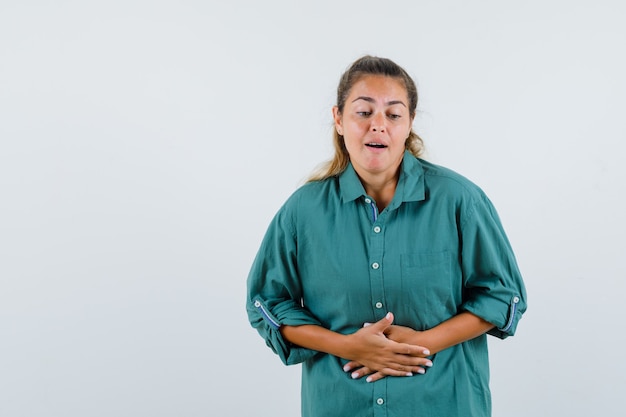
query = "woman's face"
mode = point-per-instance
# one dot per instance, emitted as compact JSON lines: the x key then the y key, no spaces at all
{"x":375,"y":123}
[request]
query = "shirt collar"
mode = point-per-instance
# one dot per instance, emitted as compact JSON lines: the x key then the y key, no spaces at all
{"x":410,"y":185}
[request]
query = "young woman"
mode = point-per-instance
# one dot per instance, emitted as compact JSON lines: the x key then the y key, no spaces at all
{"x":384,"y":273}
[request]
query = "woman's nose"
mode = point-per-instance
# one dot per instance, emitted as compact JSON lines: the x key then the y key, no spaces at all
{"x":378,"y":123}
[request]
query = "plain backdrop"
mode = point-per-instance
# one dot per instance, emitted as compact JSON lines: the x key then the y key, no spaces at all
{"x":145,"y":146}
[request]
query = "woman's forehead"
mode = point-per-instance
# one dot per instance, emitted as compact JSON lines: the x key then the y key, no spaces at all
{"x":373,"y":88}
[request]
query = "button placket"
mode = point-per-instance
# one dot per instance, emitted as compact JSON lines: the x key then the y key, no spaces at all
{"x":376,"y":256}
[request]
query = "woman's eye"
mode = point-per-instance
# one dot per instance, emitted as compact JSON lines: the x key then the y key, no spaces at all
{"x":394,"y":116}
{"x":364,"y":113}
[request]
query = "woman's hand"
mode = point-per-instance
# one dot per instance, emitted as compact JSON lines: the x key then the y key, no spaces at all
{"x":403,"y":334}
{"x":458,"y":329}
{"x":375,"y":354}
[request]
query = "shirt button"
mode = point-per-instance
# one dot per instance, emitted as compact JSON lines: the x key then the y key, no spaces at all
{"x":380,"y":401}
{"x":515,"y":300}
{"x":376,"y":229}
{"x":375,"y":265}
{"x":367,"y":200}
{"x":379,"y":305}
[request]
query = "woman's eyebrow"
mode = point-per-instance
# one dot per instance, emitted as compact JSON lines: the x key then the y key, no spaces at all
{"x":371,"y":100}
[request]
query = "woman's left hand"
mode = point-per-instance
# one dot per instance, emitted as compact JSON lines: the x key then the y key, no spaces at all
{"x":464,"y":326}
{"x":403,"y":334}
{"x":400,"y":334}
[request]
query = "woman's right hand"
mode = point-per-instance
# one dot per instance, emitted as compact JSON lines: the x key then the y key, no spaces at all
{"x":375,"y":355}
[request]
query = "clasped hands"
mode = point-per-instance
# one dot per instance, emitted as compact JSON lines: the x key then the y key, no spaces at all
{"x":379,"y":350}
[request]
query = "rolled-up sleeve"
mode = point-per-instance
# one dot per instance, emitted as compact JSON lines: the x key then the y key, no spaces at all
{"x":493,"y":283}
{"x":274,"y":291}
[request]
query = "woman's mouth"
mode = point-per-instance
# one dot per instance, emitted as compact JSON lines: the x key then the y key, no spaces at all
{"x":376,"y":145}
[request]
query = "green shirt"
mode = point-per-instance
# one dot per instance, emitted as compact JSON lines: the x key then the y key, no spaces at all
{"x":330,"y":258}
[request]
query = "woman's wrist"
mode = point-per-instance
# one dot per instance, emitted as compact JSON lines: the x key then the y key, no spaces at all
{"x":317,"y":338}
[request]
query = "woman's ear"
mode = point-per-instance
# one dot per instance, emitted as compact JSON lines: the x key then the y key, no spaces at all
{"x":338,"y":121}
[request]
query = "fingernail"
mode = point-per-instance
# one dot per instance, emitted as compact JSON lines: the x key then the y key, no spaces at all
{"x":426,"y":352}
{"x":429,"y":364}
{"x":409,"y":374}
{"x":346,"y":368}
{"x":369,"y":379}
{"x":388,"y":316}
{"x":354,"y":375}
{"x":421,"y":371}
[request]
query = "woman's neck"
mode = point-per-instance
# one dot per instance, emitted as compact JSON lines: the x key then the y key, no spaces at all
{"x":381,"y":190}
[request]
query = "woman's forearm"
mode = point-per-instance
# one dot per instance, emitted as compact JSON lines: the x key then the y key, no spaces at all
{"x":316,"y":338}
{"x":369,"y":346}
{"x":458,"y":329}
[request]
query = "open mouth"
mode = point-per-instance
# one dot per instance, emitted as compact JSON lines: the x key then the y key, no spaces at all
{"x":376,"y":145}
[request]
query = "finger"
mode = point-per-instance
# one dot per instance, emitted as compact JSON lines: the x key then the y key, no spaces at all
{"x":411,"y":350}
{"x":405,"y":371}
{"x":421,"y":369}
{"x":361,"y":372}
{"x":375,"y":377}
{"x":382,"y":324}
{"x":403,"y":363}
{"x":351,"y":365}
{"x":420,"y":366}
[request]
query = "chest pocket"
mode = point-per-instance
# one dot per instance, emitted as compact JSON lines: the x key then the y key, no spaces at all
{"x":426,"y":287}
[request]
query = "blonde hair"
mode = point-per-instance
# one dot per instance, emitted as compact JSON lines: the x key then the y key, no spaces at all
{"x":368,"y":65}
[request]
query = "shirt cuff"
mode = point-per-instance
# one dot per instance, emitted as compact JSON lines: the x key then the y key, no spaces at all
{"x":504,"y":315}
{"x":268,"y":320}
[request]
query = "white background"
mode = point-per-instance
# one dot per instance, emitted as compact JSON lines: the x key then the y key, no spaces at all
{"x":145,"y":146}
